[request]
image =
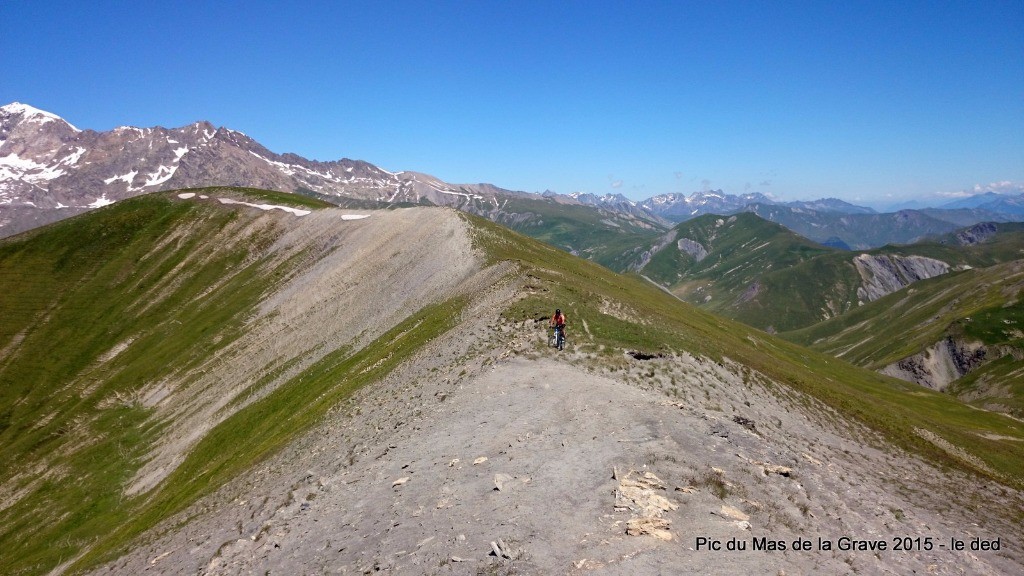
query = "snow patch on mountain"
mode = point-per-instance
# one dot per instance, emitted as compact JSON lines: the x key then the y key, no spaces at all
{"x":160,"y":175}
{"x":73,"y":158}
{"x":14,"y":167}
{"x":468,"y":196}
{"x":296,"y":169}
{"x":32,"y":114}
{"x":296,"y":211}
{"x":126,"y":178}
{"x":100,"y":202}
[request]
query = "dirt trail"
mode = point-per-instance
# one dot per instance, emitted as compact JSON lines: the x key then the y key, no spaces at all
{"x":396,"y":480}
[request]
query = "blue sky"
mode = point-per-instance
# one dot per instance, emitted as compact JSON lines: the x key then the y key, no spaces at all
{"x":865,"y":101}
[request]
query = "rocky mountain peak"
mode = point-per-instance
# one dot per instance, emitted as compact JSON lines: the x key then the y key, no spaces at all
{"x":16,"y":113}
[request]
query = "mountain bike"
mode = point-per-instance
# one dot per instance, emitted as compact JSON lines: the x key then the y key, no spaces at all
{"x":558,"y":338}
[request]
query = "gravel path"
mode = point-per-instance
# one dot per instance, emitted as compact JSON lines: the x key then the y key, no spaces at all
{"x":403,"y":486}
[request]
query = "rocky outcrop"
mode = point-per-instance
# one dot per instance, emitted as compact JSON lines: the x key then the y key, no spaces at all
{"x":976,"y":234}
{"x":646,"y":255}
{"x":693,"y":248}
{"x":884,"y":274}
{"x":939,"y":365}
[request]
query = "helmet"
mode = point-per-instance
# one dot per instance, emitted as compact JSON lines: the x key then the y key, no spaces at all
{"x":558,"y":310}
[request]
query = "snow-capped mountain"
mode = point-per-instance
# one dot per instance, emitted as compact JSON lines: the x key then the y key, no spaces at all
{"x":678,"y":206}
{"x":595,"y":200}
{"x":614,"y":202}
{"x":51,"y":170}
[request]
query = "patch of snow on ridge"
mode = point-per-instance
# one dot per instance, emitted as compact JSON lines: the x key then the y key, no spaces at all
{"x":161,"y":175}
{"x":291,"y":169}
{"x":354,"y":216}
{"x":73,"y":158}
{"x":468,"y":196}
{"x":187,"y":195}
{"x":127,"y":178}
{"x":296,"y":211}
{"x":13,"y":167}
{"x":100,"y":202}
{"x":139,"y":132}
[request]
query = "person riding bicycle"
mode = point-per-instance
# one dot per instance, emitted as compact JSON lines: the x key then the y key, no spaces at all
{"x":558,"y":323}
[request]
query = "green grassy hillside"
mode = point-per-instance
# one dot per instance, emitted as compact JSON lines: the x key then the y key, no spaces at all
{"x":766,"y":276}
{"x":97,"y":307}
{"x":740,"y":275}
{"x":976,"y":306}
{"x":603,"y":236}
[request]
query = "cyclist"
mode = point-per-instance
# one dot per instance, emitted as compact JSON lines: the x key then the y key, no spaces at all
{"x":558,"y":323}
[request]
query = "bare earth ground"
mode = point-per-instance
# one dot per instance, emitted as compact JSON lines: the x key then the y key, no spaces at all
{"x":330,"y":503}
{"x":395,"y":480}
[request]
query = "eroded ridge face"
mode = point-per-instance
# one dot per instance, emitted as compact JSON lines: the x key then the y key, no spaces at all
{"x":359,"y":278}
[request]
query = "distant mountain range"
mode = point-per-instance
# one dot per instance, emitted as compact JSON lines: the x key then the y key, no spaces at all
{"x":990,"y":201}
{"x":50,"y":170}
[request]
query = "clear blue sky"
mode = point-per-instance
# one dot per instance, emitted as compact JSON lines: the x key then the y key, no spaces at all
{"x":860,"y":100}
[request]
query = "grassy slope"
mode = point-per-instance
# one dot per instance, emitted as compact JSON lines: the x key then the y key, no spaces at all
{"x":73,"y":291}
{"x":798,"y":283}
{"x":625,"y":312}
{"x":979,"y":305}
{"x":744,"y":251}
{"x":581,"y":229}
{"x":71,"y":429}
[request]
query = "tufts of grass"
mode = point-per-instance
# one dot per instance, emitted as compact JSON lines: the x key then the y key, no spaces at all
{"x":253,"y":434}
{"x":659,"y":322}
{"x":95,"y":308}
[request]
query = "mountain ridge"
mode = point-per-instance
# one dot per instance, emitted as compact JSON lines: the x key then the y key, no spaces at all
{"x":50,"y":170}
{"x":386,"y":404}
